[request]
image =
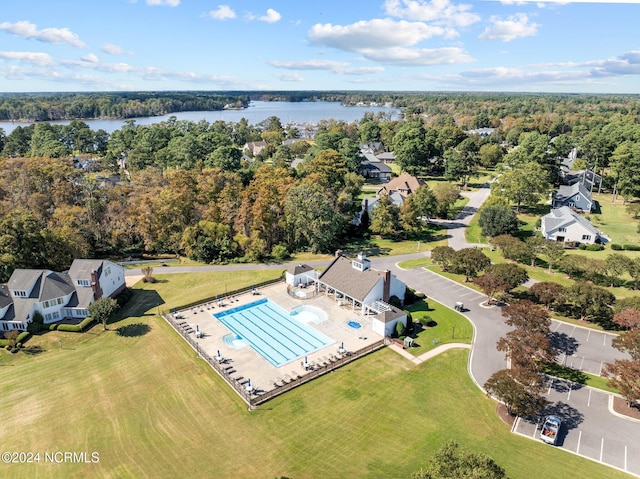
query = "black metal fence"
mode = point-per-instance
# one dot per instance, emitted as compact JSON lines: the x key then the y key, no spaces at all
{"x":235,"y":292}
{"x":258,"y":397}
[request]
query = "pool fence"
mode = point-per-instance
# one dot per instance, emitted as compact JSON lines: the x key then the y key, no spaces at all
{"x":259,"y":396}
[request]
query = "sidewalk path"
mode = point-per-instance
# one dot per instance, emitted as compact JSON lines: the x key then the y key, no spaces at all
{"x":429,"y":354}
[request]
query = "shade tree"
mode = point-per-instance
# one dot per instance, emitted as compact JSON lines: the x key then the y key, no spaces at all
{"x":470,"y":262}
{"x":496,"y":220}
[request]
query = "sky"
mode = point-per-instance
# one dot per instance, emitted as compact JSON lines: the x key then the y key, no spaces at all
{"x":583,"y":46}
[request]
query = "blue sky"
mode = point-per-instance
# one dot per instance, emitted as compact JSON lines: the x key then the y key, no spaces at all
{"x":417,"y":45}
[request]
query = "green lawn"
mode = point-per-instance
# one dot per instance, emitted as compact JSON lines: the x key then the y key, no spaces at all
{"x":614,"y":221}
{"x":375,"y":245}
{"x":150,"y":408}
{"x":448,"y":327}
{"x":415,"y":263}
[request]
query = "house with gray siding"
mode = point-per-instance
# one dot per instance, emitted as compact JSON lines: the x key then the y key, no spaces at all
{"x":576,"y":197}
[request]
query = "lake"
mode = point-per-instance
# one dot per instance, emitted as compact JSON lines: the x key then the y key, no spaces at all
{"x":288,"y":112}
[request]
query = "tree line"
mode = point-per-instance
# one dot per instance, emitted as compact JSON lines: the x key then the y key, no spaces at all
{"x":73,"y":106}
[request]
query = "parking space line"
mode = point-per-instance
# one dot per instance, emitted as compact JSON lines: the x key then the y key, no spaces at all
{"x":581,"y":363}
{"x":579,"y":439}
{"x":588,"y":334}
{"x":573,"y":332}
{"x":589,"y":399}
{"x":557,"y":326}
{"x":604,"y":339}
{"x":569,"y":394}
{"x":601,"y":448}
{"x":601,"y":365}
{"x":550,"y":385}
{"x":625,"y":458}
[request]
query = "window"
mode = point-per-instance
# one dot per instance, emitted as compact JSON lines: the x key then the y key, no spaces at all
{"x":586,"y":237}
{"x":22,"y":294}
{"x":562,"y":230}
{"x":83,"y":282}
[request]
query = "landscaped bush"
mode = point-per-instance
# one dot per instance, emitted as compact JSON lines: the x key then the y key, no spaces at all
{"x":616,"y":247}
{"x":124,"y":297}
{"x":426,"y":320}
{"x":632,"y":247}
{"x":395,"y":301}
{"x":53,"y":327}
{"x":594,"y":247}
{"x":400,"y":329}
{"x":75,"y":328}
{"x":582,"y":246}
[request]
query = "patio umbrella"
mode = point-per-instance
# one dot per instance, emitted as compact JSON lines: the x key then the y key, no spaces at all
{"x":306,"y":362}
{"x":249,"y":387}
{"x":219,"y":357}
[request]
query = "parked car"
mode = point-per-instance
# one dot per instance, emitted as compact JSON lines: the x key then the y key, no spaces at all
{"x":551,"y":430}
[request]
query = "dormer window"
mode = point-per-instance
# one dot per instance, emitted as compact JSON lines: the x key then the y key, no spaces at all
{"x":83,"y":282}
{"x":20,"y":294}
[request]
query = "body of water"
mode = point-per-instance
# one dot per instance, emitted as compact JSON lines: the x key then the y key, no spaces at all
{"x":287,"y":112}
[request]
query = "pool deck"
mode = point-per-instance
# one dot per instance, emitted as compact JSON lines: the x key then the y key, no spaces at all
{"x":248,"y":364}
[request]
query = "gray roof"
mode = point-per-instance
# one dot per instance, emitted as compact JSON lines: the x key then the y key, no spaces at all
{"x":340,"y":275}
{"x":565,"y":215}
{"x":23,"y":279}
{"x":375,"y":166}
{"x":565,"y":192}
{"x":299,"y":269}
{"x":55,"y":285}
{"x":391,"y":315}
{"x":82,"y":268}
{"x":387,"y":155}
{"x":5,"y":296}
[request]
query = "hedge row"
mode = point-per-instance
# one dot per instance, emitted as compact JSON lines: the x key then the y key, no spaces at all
{"x":72,"y":328}
{"x":626,"y":247}
{"x":20,"y":340}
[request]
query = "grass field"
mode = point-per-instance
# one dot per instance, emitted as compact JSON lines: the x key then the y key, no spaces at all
{"x":449,"y":326}
{"x":151,"y":408}
{"x":614,"y":221}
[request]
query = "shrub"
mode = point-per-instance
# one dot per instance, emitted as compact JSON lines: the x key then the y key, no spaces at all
{"x":632,"y":247}
{"x":594,"y":247}
{"x":395,"y":301}
{"x":124,"y":296}
{"x":76,"y":328}
{"x":400,"y":329}
{"x":616,"y":247}
{"x":279,"y":252}
{"x":582,"y":246}
{"x":426,"y":320}
{"x":34,"y":327}
{"x":410,"y":296}
{"x":53,"y":327}
{"x":23,"y":337}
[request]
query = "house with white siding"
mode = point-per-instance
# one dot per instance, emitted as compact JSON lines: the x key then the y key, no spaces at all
{"x":565,"y":225}
{"x":57,"y":296}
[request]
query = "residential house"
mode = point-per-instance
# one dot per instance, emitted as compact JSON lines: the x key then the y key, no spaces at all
{"x":371,"y":147}
{"x":576,"y":196}
{"x":405,"y":184}
{"x":370,"y":203}
{"x":565,"y":225}
{"x":481,"y":132}
{"x":57,"y":296}
{"x":387,"y":157}
{"x":255,"y":147}
{"x":372,"y":168}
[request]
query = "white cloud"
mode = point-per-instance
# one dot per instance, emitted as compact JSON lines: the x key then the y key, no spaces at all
{"x":340,"y":68}
{"x":223,"y":12}
{"x":372,"y":34}
{"x":90,"y":58}
{"x":35,"y":58}
{"x":515,"y":26}
{"x":626,"y":64}
{"x":436,"y":11}
{"x":163,"y":3}
{"x":271,"y":16}
{"x":418,"y":56}
{"x":26,"y":29}
{"x":292,"y":77}
{"x":113,"y":49}
{"x":309,"y":65}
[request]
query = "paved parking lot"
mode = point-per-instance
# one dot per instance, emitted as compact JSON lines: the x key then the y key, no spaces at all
{"x":583,"y":411}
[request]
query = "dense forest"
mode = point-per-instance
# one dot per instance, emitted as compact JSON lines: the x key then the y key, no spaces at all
{"x":72,"y":106}
{"x":179,"y":187}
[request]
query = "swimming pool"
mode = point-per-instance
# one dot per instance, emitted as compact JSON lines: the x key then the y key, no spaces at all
{"x":272,"y":332}
{"x":309,"y":314}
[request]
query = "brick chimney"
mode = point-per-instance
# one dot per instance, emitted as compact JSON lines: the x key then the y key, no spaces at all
{"x":95,"y":286}
{"x":386,"y":286}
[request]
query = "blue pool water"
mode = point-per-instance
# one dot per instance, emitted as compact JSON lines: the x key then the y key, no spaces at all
{"x":272,"y":332}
